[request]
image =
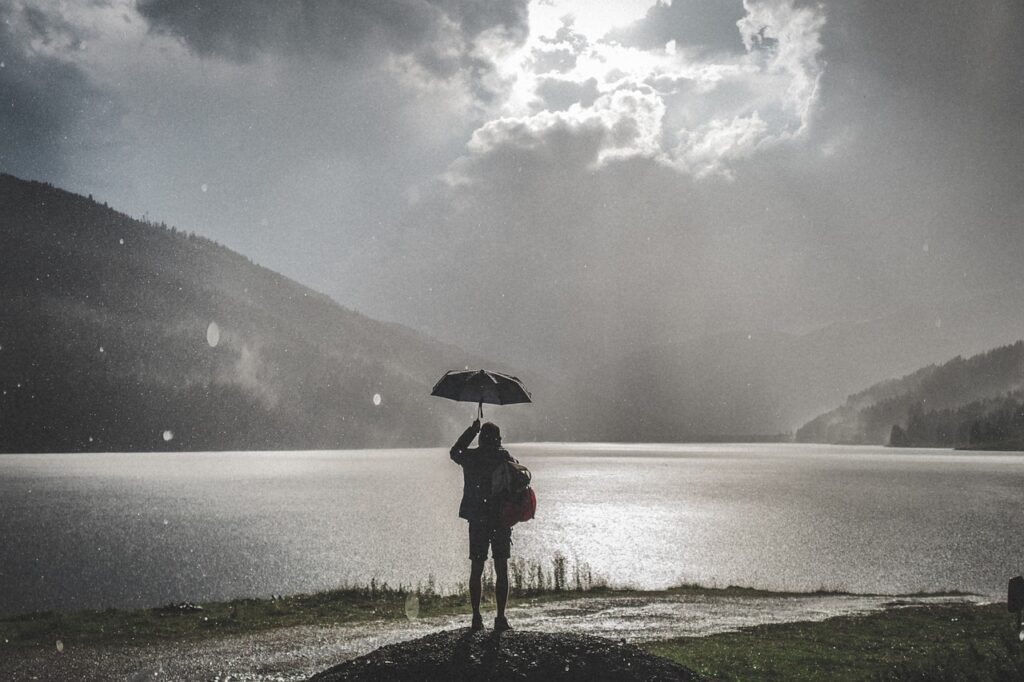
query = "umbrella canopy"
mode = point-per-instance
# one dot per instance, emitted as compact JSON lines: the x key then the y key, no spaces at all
{"x":481,"y":386}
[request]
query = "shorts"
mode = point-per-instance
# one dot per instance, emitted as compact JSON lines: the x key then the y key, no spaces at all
{"x":482,"y":534}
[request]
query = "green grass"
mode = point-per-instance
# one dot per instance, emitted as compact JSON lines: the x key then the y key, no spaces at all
{"x":125,"y":626}
{"x":936,"y":642}
{"x":530,"y":583}
{"x":347,"y":605}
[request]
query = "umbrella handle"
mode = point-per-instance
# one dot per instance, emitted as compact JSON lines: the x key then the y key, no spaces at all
{"x":480,"y":410}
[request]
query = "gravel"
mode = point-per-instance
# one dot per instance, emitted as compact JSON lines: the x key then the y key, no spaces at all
{"x":517,"y":655}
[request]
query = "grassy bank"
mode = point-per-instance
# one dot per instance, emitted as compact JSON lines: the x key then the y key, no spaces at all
{"x":131,"y":626}
{"x":528,"y":582}
{"x":935,"y":642}
{"x":333,"y":607}
{"x":938,"y":642}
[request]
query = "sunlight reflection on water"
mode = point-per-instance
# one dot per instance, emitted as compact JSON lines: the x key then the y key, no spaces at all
{"x":144,"y":529}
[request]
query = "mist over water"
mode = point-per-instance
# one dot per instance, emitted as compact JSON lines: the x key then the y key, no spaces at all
{"x":91,"y":531}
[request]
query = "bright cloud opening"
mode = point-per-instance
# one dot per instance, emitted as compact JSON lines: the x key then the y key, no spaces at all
{"x":695,"y":110}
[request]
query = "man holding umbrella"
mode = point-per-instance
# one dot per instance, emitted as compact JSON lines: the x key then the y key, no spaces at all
{"x":479,"y":508}
{"x":478,"y":464}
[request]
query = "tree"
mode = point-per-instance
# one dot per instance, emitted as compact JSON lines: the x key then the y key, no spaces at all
{"x":898,"y":437}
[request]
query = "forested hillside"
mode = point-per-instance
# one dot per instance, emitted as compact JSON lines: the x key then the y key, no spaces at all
{"x":972,"y":402}
{"x":118,"y":334}
{"x":748,"y":382}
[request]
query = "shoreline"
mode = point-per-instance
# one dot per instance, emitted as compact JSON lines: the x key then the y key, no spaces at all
{"x":701,"y":628}
{"x":343,"y":606}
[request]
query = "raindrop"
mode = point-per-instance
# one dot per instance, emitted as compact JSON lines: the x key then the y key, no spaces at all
{"x":101,"y":349}
{"x":121,"y":241}
{"x":168,"y":435}
{"x":203,"y":187}
{"x":412,"y":607}
{"x":60,"y":646}
{"x":376,"y":398}
{"x":90,"y":439}
{"x":2,"y":65}
{"x":165,"y":522}
{"x":213,"y":334}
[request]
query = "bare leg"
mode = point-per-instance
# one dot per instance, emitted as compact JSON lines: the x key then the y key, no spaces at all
{"x":501,"y":585}
{"x":476,"y":571}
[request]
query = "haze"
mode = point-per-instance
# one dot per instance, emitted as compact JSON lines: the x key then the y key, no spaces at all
{"x":549,"y":184}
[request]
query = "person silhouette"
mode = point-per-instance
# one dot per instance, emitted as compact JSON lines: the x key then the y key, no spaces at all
{"x":479,"y":507}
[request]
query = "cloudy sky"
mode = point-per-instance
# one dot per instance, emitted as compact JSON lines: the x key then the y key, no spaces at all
{"x":548,"y":180}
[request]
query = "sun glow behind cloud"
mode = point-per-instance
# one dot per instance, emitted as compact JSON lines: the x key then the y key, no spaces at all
{"x":687,"y":106}
{"x":591,"y":19}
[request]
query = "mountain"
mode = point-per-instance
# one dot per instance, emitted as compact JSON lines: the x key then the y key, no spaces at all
{"x":122,"y":335}
{"x":977,"y":401}
{"x":764,"y":382}
{"x":104,"y":345}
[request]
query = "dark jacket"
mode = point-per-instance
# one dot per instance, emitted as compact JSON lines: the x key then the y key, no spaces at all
{"x":477,"y":466}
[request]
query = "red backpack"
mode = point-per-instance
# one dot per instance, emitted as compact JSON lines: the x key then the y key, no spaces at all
{"x":520,"y":506}
{"x":510,"y":482}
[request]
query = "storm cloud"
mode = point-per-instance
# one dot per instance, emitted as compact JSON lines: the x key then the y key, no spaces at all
{"x":53,"y":117}
{"x":693,"y":24}
{"x":440,"y":36}
{"x":512,"y":179}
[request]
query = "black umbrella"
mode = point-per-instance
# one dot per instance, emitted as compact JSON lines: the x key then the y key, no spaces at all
{"x":481,"y":386}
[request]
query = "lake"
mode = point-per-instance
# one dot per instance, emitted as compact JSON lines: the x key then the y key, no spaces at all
{"x":98,"y":530}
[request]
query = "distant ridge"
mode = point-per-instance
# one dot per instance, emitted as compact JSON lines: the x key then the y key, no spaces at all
{"x":106,"y":344}
{"x":973,"y":402}
{"x":769,"y":382}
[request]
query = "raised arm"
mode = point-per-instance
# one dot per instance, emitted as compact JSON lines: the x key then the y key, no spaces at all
{"x":458,"y":451}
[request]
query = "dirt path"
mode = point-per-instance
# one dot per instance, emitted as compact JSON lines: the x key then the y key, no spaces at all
{"x":298,"y":652}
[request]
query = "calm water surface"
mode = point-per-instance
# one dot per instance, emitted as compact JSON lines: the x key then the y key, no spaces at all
{"x":81,"y":531}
